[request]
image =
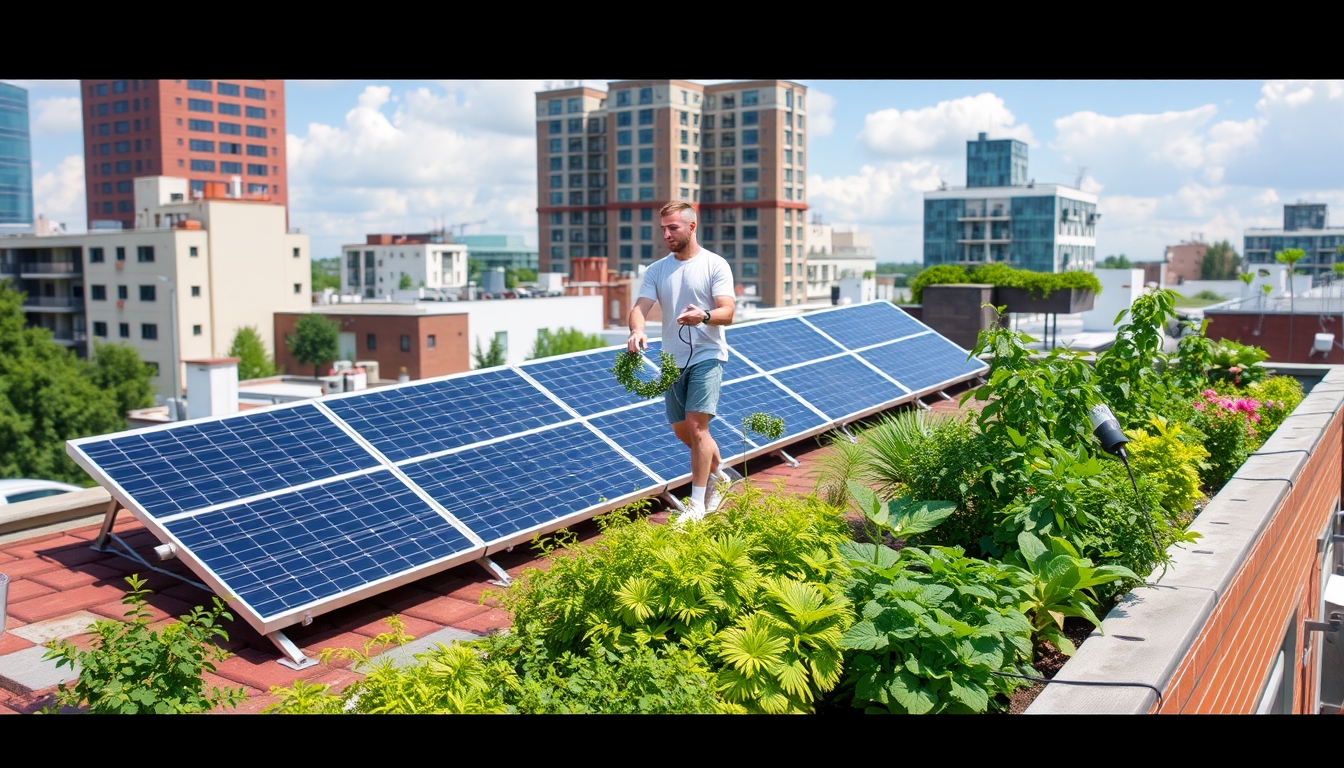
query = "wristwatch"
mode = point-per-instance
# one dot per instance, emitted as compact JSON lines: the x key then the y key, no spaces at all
{"x":706,"y":320}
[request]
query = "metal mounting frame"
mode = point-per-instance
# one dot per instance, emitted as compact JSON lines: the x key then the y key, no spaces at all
{"x":502,"y":577}
{"x":109,"y":519}
{"x":845,"y":429}
{"x":792,"y":462}
{"x":291,"y":656}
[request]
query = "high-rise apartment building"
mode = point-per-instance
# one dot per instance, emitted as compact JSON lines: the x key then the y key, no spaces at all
{"x":1306,"y":226}
{"x":608,"y":160}
{"x":1002,"y":216}
{"x":16,"y":160}
{"x":230,"y":131}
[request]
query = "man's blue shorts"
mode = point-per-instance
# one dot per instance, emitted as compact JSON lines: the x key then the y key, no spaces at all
{"x":696,"y":390}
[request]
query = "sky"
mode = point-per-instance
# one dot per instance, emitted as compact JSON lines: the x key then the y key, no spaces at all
{"x":1169,"y":160}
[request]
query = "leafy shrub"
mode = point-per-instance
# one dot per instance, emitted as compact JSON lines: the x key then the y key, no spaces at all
{"x":943,"y":274}
{"x":638,"y":680}
{"x":1278,"y":396}
{"x":1226,"y":424}
{"x":1130,"y":374}
{"x":1237,"y":363}
{"x":1170,"y":458}
{"x":132,"y":669}
{"x":1120,"y":529}
{"x":1058,"y":584}
{"x":934,"y":627}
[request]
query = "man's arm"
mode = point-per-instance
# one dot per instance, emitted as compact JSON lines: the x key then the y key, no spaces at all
{"x":724,"y":309}
{"x":638,"y":340}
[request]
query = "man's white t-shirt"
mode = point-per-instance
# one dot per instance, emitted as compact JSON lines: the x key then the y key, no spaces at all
{"x":674,"y":284}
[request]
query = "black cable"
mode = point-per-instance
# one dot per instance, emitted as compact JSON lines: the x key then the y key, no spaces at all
{"x":1095,"y":683}
{"x":689,"y":345}
{"x":1276,"y":453}
{"x":1264,"y":480}
{"x":1147,"y":515}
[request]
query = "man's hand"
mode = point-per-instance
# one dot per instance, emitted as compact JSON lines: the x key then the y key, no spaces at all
{"x":637,"y":342}
{"x":691,"y":315}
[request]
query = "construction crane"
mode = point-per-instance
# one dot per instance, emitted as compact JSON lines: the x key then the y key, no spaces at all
{"x":460,"y":228}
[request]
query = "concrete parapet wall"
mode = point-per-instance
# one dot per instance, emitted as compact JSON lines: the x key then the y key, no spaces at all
{"x":53,"y":509}
{"x":957,"y":311}
{"x":1206,"y":632}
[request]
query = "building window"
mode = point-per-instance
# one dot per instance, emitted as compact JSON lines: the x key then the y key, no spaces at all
{"x":123,"y":292}
{"x":430,"y":341}
{"x":201,"y":145}
{"x":100,"y":329}
{"x":576,"y":125}
{"x":149,"y":331}
{"x":230,"y":109}
{"x":751,"y":118}
{"x":144,"y":253}
{"x":207,"y":166}
{"x":256,"y":131}
{"x":370,"y":341}
{"x":256,"y":170}
{"x":195,"y":330}
{"x":645,"y":95}
{"x":147,"y":293}
{"x":200,"y":105}
{"x":227,"y":167}
{"x":124,"y":330}
{"x":405,"y":343}
{"x":231,"y":128}
{"x":229,"y":148}
{"x":98,"y":293}
{"x":749,"y":98}
{"x":195,"y":290}
{"x":750,"y":137}
{"x":95,"y":255}
{"x":298,"y":287}
{"x":204,"y":86}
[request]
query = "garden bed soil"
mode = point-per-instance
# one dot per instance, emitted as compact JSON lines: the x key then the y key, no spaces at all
{"x":1048,"y":663}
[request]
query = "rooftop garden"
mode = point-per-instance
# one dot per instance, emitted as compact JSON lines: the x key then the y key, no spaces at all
{"x":1037,"y":284}
{"x":945,"y":563}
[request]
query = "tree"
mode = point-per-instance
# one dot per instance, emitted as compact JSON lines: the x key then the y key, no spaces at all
{"x":254,"y":362}
{"x":1290,"y":256}
{"x":405,"y":282}
{"x":1116,"y":262}
{"x":512,"y":277}
{"x":564,"y":340}
{"x":492,"y":358}
{"x":47,"y":396}
{"x":315,"y":340}
{"x":118,"y":369}
{"x":326,"y":273}
{"x":474,"y":270}
{"x":1221,"y":262}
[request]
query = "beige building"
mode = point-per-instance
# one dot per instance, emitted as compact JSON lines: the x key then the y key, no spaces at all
{"x":608,"y":160}
{"x":833,"y":256}
{"x":374,"y":269}
{"x":231,"y":262}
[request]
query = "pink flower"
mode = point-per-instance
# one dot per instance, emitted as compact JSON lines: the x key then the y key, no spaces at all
{"x":1199,"y":406}
{"x":1234,"y":369}
{"x":1209,"y":393}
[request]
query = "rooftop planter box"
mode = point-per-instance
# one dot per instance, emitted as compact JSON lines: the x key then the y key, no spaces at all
{"x":1224,"y":629}
{"x":1064,"y":301}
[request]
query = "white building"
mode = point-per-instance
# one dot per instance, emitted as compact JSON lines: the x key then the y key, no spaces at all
{"x":232,"y":262}
{"x":375,"y":269}
{"x":833,"y":256}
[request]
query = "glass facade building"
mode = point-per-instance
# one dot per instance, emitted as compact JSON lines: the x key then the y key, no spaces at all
{"x":16,"y":159}
{"x":1001,"y":216}
{"x":1306,"y":227}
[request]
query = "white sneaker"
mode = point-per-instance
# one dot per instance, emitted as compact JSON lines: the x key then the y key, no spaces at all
{"x":695,"y":512}
{"x":713,"y":496}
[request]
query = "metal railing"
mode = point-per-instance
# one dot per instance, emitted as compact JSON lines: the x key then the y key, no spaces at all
{"x":49,"y":268}
{"x":54,"y":302}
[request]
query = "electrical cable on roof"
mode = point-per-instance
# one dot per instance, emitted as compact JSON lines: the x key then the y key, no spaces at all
{"x":1095,"y":683}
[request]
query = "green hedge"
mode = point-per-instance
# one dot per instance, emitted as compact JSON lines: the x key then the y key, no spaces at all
{"x":1040,"y":284}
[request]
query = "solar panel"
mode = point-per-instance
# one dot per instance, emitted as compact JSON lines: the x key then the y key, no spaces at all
{"x":923,"y":361}
{"x":735,"y":368}
{"x":645,"y":434}
{"x":200,"y":464}
{"x":779,"y":343}
{"x":746,"y":396}
{"x":519,"y":485}
{"x":866,"y":324}
{"x":840,"y":387}
{"x":284,"y":552}
{"x":422,"y":418}
{"x":584,"y":382}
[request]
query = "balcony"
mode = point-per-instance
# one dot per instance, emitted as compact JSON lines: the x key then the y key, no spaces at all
{"x":69,"y":338}
{"x":53,"y":304}
{"x":50,"y":269}
{"x":996,"y":215}
{"x":991,"y":239}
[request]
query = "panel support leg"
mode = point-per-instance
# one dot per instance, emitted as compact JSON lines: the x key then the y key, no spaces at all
{"x":673,"y":502}
{"x":792,"y":462}
{"x":291,"y":656}
{"x":922,"y":405}
{"x":845,"y":429}
{"x":943,"y":395}
{"x":503,"y":579}
{"x":109,"y":519}
{"x":731,"y":474}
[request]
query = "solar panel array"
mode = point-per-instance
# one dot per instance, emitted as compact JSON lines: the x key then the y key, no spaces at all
{"x":300,"y":508}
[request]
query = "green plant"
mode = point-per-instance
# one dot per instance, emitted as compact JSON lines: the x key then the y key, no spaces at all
{"x":1220,"y":262}
{"x":1170,"y":458}
{"x":132,"y":668}
{"x":1237,"y":363}
{"x":1130,"y":374}
{"x":1053,"y":478}
{"x":628,"y":363}
{"x":1038,"y":284}
{"x":562,"y":341}
{"x":763,"y":424}
{"x":1291,"y":256}
{"x":405,"y":283}
{"x":934,"y":628}
{"x":1278,"y":396}
{"x":1246,"y":277}
{"x":1228,"y":435}
{"x":939,"y":275}
{"x":491,"y":358}
{"x":899,"y":518}
{"x":1058,"y":583}
{"x":315,"y":340}
{"x":253,"y":360}
{"x":636,"y":680}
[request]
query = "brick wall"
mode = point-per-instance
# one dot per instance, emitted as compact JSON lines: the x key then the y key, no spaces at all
{"x":1273,"y":333}
{"x":450,"y":353}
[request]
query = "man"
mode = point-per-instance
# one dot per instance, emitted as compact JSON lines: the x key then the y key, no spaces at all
{"x":701,"y":283}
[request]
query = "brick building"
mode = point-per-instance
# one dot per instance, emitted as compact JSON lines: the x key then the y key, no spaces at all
{"x":608,"y":160}
{"x":230,"y":131}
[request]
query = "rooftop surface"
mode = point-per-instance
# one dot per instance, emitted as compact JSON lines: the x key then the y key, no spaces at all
{"x":59,"y":585}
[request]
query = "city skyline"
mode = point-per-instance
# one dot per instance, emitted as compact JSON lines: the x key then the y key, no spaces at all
{"x":1166,"y":159}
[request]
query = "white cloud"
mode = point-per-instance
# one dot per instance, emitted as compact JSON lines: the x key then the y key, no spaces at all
{"x":56,"y":115}
{"x":820,"y":106}
{"x":943,"y":129}
{"x":59,"y":195}
{"x":56,"y":85}
{"x":877,"y":193}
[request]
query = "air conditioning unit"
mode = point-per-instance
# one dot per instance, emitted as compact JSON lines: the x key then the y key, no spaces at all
{"x":120,"y":264}
{"x":121,"y":303}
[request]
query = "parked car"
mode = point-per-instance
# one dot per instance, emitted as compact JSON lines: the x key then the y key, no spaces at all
{"x":14,"y":491}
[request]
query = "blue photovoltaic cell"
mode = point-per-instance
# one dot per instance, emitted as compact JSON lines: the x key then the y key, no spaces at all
{"x":646,"y":435}
{"x":735,"y":368}
{"x":923,"y":361}
{"x":778,"y":343}
{"x":584,"y":382}
{"x":283,"y":552}
{"x":840,"y":387}
{"x":502,"y":488}
{"x":743,"y":398}
{"x":200,"y":464}
{"x":866,"y":325}
{"x":415,"y":420}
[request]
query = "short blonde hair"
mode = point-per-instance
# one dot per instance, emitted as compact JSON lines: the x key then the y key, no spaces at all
{"x":686,"y":210}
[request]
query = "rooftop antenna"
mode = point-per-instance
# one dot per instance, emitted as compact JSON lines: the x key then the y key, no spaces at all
{"x":1082,"y":171}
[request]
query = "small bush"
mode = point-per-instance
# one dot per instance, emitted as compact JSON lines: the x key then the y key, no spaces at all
{"x":1278,"y":396}
{"x":1169,"y":458}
